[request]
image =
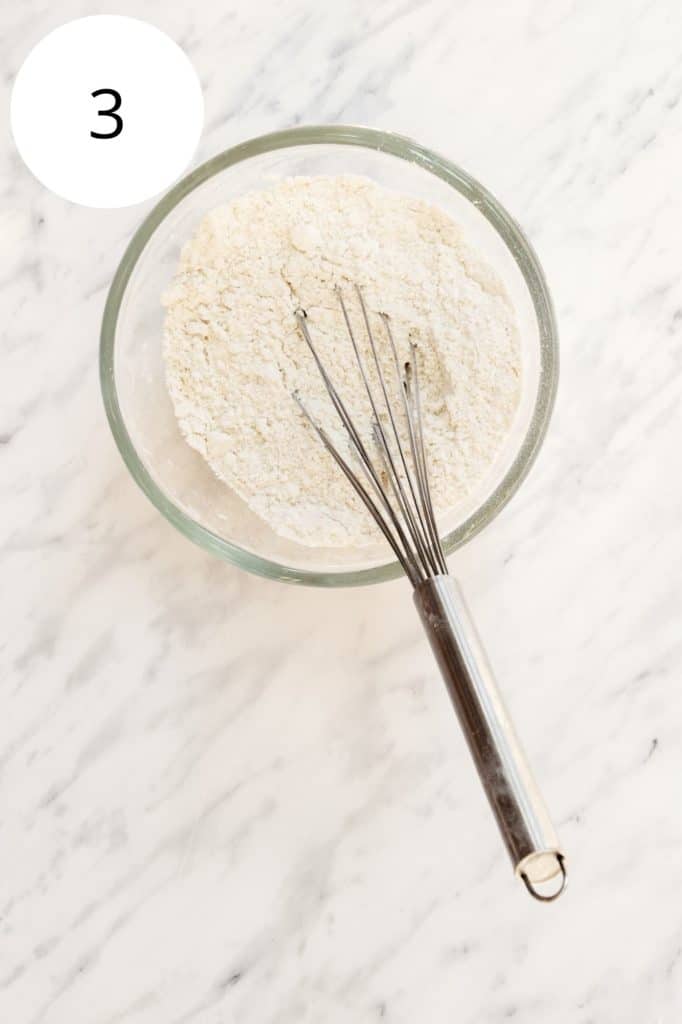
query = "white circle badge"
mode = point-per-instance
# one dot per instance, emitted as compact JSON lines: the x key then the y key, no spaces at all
{"x":107,"y":111}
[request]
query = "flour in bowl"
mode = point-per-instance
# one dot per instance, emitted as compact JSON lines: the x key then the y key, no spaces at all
{"x":235,"y":356}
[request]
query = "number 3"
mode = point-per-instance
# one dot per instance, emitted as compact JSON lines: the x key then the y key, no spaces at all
{"x":116,"y":96}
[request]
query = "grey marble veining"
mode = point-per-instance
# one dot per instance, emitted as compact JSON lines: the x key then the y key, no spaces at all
{"x":204,"y":822}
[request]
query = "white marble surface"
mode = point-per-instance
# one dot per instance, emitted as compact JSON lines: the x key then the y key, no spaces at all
{"x":227,"y":800}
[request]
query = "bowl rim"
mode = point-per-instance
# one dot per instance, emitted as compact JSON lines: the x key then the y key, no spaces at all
{"x":404,"y":148}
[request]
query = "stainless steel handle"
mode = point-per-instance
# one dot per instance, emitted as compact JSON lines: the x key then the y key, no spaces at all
{"x":520,"y":811}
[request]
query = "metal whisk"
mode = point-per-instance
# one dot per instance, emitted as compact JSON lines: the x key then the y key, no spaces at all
{"x":393,"y":483}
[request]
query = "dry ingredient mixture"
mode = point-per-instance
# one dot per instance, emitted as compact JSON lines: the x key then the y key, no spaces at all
{"x":234,"y":355}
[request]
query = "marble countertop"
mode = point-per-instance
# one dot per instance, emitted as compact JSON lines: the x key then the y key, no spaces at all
{"x":228,"y":800}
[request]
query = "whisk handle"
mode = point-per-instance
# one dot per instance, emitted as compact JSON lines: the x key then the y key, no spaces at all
{"x":519,"y":809}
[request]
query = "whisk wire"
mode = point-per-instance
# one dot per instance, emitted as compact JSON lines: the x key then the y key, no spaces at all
{"x":360,"y":490}
{"x":416,"y":427}
{"x":407,"y":521}
{"x":402,"y":549}
{"x":410,"y":510}
{"x":377,"y":426}
{"x":413,"y":420}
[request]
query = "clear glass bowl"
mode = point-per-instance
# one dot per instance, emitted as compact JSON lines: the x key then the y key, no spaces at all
{"x":173,"y":475}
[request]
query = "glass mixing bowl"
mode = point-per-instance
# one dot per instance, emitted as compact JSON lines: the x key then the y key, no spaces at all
{"x":174,"y":476}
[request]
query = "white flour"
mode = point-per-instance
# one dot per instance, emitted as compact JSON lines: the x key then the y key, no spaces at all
{"x":234,"y":354}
